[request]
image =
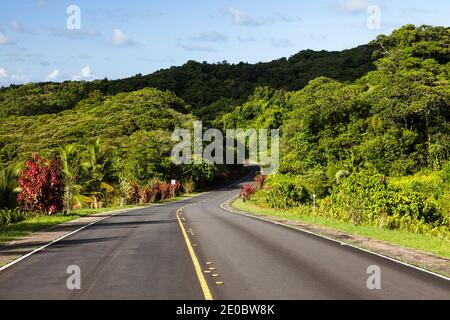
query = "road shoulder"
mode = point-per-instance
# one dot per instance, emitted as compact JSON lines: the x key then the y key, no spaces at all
{"x":16,"y":249}
{"x":13,"y":250}
{"x":432,"y":263}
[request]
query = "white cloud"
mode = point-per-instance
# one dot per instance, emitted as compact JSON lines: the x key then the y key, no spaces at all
{"x":281,"y":43}
{"x":194,"y":47}
{"x":16,"y":78}
{"x":53,"y":75}
{"x":74,"y":34}
{"x":3,"y":39}
{"x":354,"y":6}
{"x":210,"y":37}
{"x":3,"y":73}
{"x":84,"y":74}
{"x":239,"y":17}
{"x":20,"y":77}
{"x":120,"y":39}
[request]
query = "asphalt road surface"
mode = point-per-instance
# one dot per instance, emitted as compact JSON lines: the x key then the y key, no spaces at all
{"x":143,"y":254}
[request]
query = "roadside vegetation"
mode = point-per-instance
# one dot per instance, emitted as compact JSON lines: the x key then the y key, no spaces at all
{"x":106,"y":152}
{"x":375,"y":152}
{"x":421,"y":242}
{"x":367,"y":131}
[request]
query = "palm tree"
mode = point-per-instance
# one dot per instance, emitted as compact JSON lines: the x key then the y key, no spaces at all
{"x":9,"y":186}
{"x":98,"y":168}
{"x":71,"y":168}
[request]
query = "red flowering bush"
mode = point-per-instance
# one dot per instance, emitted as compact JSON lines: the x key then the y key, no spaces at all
{"x":157,"y":190}
{"x":260,"y":180}
{"x":165,"y":190}
{"x":42,"y":186}
{"x":147,"y":195}
{"x":134,"y":194}
{"x":247,"y":192}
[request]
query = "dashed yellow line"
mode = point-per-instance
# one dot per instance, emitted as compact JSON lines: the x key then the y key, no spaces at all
{"x":198,"y":270}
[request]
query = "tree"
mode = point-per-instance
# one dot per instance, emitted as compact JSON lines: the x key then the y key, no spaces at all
{"x":97,"y":173}
{"x":72,"y":169}
{"x":9,"y":186}
{"x":42,"y":186}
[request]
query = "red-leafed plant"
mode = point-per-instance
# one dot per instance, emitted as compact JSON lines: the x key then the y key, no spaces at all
{"x":42,"y":186}
{"x":166,"y":190}
{"x":134,"y":194}
{"x":147,"y":195}
{"x":247,"y":192}
{"x":157,"y":190}
{"x":260,"y":180}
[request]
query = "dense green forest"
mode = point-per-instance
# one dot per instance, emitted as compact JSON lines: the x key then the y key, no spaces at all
{"x":367,"y":130}
{"x":201,"y":85}
{"x":375,"y":150}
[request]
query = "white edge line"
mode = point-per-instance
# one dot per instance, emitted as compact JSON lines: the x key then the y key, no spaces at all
{"x":222,"y":206}
{"x":10,"y":264}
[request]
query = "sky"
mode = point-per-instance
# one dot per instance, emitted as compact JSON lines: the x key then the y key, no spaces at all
{"x":58,"y":40}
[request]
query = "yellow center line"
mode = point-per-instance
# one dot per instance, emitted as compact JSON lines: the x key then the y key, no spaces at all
{"x":198,"y":269}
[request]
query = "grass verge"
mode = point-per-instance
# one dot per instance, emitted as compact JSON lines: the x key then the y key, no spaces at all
{"x":425,"y":243}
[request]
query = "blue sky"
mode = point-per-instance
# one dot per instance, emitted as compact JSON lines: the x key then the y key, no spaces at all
{"x":121,"y":38}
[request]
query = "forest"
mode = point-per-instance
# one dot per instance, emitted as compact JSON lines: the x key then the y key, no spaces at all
{"x":366,"y":130}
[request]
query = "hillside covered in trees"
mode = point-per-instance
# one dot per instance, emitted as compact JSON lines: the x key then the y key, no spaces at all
{"x":203,"y":86}
{"x":375,"y":150}
{"x":367,"y":129}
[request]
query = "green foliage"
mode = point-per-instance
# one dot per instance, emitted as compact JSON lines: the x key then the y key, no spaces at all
{"x":266,"y":108}
{"x":418,"y":204}
{"x":189,"y":186}
{"x":367,"y":130}
{"x":445,"y":173}
{"x":11,"y":216}
{"x":9,"y":186}
{"x":205,"y":86}
{"x":283,"y":192}
{"x":407,"y":204}
{"x":114,"y":120}
{"x":42,"y":98}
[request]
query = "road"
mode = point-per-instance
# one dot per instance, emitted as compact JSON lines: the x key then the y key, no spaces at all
{"x":143,"y":254}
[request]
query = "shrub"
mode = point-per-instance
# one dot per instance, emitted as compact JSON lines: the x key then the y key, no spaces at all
{"x":42,"y":186}
{"x":430,"y":184}
{"x":147,"y":195}
{"x":414,"y":205}
{"x":445,"y":172}
{"x":260,"y":180}
{"x":11,"y":216}
{"x":189,"y":186}
{"x":165,"y":190}
{"x":247,"y":192}
{"x":365,"y":198}
{"x":175,"y":189}
{"x":283,"y":191}
{"x":134,"y":193}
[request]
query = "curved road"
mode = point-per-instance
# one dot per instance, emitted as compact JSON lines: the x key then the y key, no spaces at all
{"x":143,"y":255}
